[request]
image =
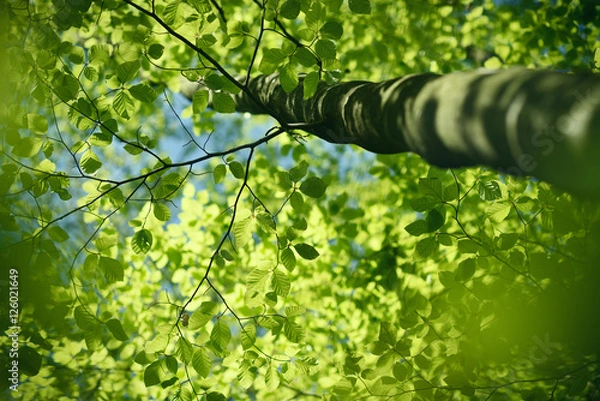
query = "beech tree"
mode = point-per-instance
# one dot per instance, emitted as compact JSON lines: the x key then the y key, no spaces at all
{"x":185,"y":216}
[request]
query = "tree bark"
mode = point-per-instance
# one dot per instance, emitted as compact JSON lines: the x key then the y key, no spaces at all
{"x":521,"y":122}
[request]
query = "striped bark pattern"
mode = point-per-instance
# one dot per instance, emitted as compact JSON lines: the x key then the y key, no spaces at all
{"x":521,"y":122}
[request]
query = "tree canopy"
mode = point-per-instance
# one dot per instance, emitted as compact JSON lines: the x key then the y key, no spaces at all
{"x":156,"y":247}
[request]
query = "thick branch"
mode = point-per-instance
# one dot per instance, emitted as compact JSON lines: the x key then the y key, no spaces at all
{"x":521,"y":122}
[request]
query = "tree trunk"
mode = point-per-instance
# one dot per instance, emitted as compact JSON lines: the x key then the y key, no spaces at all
{"x":521,"y":122}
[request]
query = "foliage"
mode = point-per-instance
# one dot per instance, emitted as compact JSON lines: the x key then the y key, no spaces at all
{"x":177,"y":251}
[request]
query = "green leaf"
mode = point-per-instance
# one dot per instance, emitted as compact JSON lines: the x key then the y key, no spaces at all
{"x":242,"y":230}
{"x":417,"y":228}
{"x":226,"y":255}
{"x":274,"y":56}
{"x":158,"y":343}
{"x":311,"y":84}
{"x":288,"y":77}
{"x":305,"y":58}
{"x":111,"y":268}
{"x":271,"y":377}
{"x":184,"y":350}
{"x":220,"y":335}
{"x":101,"y":139}
{"x":30,"y":361}
{"x":215,"y":396}
{"x":127,"y":71}
{"x":426,"y":246}
{"x":133,"y":149}
{"x":281,"y":283}
{"x":468,"y":246}
{"x":99,"y":53}
{"x":332,"y":29}
{"x":161,"y":211}
{"x":155,"y":51}
{"x":237,"y":169}
{"x":298,"y":172}
{"x":266,"y":222}
{"x":84,"y":319}
{"x":490,"y":190}
{"x":498,"y":211}
{"x":293,"y":331}
{"x":201,"y":361}
{"x":431,"y":186}
{"x":219,"y":173}
{"x":123,"y":104}
{"x":450,"y":192}
{"x":37,"y":123}
{"x":28,"y":146}
{"x":360,"y":6}
{"x":115,"y":327}
{"x":401,"y":371}
{"x":203,"y":315}
{"x":435,"y":220}
{"x":444,"y":239}
{"x":325,"y":49}
{"x":306,"y":251}
{"x":465,"y":269}
{"x":144,"y":93}
{"x":288,"y":259}
{"x":65,"y":86}
{"x":290,"y":9}
{"x":423,"y":203}
{"x":223,"y":102}
{"x":170,"y":363}
{"x":507,"y":241}
{"x":248,"y":336}
{"x":142,"y":241}
{"x":297,"y":201}
{"x":313,"y":187}
{"x":151,"y":374}
{"x":200,"y":101}
{"x":58,"y":234}
{"x":283,"y":180}
{"x":90,"y":163}
{"x":256,"y":277}
{"x":388,"y":333}
{"x":173,"y":14}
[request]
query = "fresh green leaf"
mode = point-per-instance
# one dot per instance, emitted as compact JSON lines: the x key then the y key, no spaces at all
{"x":151,"y":374}
{"x":90,"y":163}
{"x":144,"y":93}
{"x":288,"y":259}
{"x":161,"y":211}
{"x":111,"y":268}
{"x":200,"y":101}
{"x":417,"y":228}
{"x":142,"y":241}
{"x":313,"y":187}
{"x":203,"y":315}
{"x":201,"y":361}
{"x":237,"y":169}
{"x":325,"y":49}
{"x":220,"y":335}
{"x":333,"y":30}
{"x":306,"y":251}
{"x":311,"y":84}
{"x":115,"y":327}
{"x":360,"y":6}
{"x":223,"y":102}
{"x":281,"y":283}
{"x":290,"y":9}
{"x":127,"y":71}
{"x":288,"y":77}
{"x":219,"y":173}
